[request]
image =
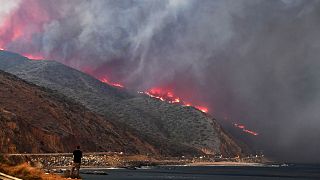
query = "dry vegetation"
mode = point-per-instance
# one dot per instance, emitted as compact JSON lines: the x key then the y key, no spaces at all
{"x":25,"y":171}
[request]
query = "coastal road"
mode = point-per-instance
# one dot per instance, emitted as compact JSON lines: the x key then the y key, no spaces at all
{"x":61,"y":154}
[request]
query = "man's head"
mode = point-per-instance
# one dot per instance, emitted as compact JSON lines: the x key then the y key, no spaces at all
{"x":78,"y":147}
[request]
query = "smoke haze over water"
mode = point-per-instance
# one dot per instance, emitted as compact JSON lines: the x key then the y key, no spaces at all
{"x":252,"y":61}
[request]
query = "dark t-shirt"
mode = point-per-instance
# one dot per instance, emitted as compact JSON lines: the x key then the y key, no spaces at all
{"x":77,"y":155}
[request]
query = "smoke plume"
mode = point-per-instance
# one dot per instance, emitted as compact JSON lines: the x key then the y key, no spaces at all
{"x":251,"y":61}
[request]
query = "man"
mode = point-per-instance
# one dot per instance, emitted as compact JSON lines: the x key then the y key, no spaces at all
{"x":77,"y":155}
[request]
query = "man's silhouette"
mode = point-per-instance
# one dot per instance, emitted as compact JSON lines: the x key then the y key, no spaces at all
{"x":77,"y":155}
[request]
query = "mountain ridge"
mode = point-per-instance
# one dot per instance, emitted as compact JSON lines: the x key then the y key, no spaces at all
{"x":156,"y":119}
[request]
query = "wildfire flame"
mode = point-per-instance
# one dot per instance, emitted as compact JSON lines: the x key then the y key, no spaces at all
{"x":241,"y":126}
{"x":21,"y":25}
{"x":170,"y":97}
{"x":162,"y":95}
{"x":105,"y":80}
{"x":30,"y":56}
{"x":202,"y":108}
{"x":34,"y":57}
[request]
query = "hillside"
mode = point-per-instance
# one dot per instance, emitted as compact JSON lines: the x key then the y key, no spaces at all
{"x":158,"y":122}
{"x":34,"y":119}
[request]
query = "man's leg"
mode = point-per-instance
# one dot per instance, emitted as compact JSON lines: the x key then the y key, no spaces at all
{"x":72,"y":170}
{"x":78,"y":169}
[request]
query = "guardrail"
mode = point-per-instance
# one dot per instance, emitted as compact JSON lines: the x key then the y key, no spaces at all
{"x":7,"y":177}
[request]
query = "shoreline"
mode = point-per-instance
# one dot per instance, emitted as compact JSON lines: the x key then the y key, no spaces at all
{"x":58,"y":162}
{"x":195,"y":164}
{"x":225,"y":163}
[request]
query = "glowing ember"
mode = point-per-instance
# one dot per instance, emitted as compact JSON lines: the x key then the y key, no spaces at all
{"x":241,"y":126}
{"x":105,"y":80}
{"x":170,"y":97}
{"x":250,"y":132}
{"x":201,"y":108}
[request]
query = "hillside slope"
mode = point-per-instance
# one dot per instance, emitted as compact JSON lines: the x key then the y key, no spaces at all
{"x":34,"y":119}
{"x":159,"y":121}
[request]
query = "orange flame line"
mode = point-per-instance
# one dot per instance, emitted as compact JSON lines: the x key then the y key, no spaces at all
{"x":240,"y":126}
{"x":105,"y":80}
{"x":171,"y":98}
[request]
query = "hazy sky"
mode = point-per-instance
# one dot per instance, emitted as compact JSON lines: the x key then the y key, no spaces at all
{"x":252,"y":61}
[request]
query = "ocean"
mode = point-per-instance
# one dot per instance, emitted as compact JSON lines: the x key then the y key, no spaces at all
{"x":265,"y":172}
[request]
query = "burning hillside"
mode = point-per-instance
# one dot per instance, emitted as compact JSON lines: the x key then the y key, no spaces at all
{"x":158,"y":93}
{"x":161,"y":94}
{"x":27,"y":28}
{"x":244,"y":129}
{"x":170,"y":97}
{"x":105,"y":80}
{"x":165,"y":125}
{"x":34,"y":57}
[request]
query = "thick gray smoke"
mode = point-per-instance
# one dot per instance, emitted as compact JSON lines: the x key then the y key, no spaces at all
{"x":254,"y":61}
